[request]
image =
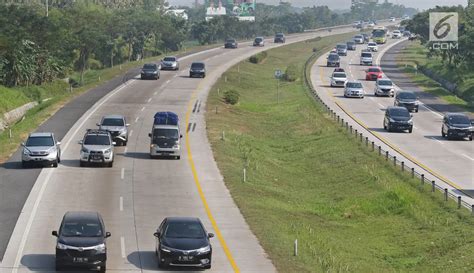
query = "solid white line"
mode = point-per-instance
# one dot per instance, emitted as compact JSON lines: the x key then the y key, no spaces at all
{"x":136,"y":120}
{"x":121,"y":203}
{"x":468,"y":157}
{"x":130,"y":134}
{"x":122,"y":246}
{"x":21,"y":247}
{"x":149,"y":99}
{"x":143,"y":108}
{"x":122,"y":173}
{"x":431,"y":110}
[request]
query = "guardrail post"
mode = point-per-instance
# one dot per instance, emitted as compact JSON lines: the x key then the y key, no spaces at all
{"x":472,"y":209}
{"x":337,"y":118}
{"x":412,"y":172}
{"x":394,"y":160}
{"x":347,"y":125}
{"x":446,"y":194}
{"x":373,"y":146}
{"x":360,"y":137}
{"x":350,"y":128}
{"x":422,"y":179}
{"x":459,"y":202}
{"x":433,"y":186}
{"x":386,"y":155}
{"x":356,"y":132}
{"x":380,"y":150}
{"x":366,"y":141}
{"x":403,"y":166}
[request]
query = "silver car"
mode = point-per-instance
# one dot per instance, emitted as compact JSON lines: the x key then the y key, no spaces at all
{"x":97,"y":147}
{"x":117,"y":126}
{"x":41,"y":148}
{"x":384,"y":87}
{"x":170,"y":63}
{"x":372,"y":46}
{"x":358,"y":39}
{"x":366,"y":58}
{"x":338,"y":79}
{"x":354,"y":89}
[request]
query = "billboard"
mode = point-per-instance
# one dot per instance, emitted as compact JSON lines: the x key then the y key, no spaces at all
{"x":242,"y":9}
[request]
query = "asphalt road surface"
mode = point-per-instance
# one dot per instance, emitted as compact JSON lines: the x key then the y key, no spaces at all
{"x":429,"y":153}
{"x":137,"y":193}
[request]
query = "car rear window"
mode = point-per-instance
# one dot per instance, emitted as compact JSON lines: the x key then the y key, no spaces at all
{"x":197,"y":65}
{"x":40,"y":141}
{"x":399,"y":112}
{"x":96,"y":140}
{"x":366,"y":55}
{"x":339,"y":75}
{"x":113,"y":122}
{"x":354,"y":85}
{"x":374,"y":70}
{"x":458,"y":119}
{"x":407,"y":95}
{"x":341,"y":46}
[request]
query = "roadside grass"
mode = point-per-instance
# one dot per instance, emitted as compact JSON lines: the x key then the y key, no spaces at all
{"x":58,"y":94}
{"x":415,"y":54}
{"x":309,"y":180}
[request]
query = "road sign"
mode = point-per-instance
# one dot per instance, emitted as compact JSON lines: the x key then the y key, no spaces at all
{"x":278,"y":73}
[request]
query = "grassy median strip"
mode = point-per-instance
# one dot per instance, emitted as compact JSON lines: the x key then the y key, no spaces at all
{"x":415,"y":55}
{"x":307,"y":179}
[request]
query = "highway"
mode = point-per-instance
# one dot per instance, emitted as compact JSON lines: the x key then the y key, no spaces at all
{"x":442,"y":159}
{"x":137,"y":193}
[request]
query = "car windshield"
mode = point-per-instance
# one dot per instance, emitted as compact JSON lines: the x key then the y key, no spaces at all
{"x":258,"y":40}
{"x":169,"y":59}
{"x":184,"y":230}
{"x":81,"y":228}
{"x":372,"y":44}
{"x":399,"y":112}
{"x":385,"y":82}
{"x":350,"y":43}
{"x":165,"y":134}
{"x":339,"y":75}
{"x":96,"y":140}
{"x":149,"y":66}
{"x":458,"y":119}
{"x":279,"y":35}
{"x":354,"y":85}
{"x":113,"y":122}
{"x":407,"y":96}
{"x":230,"y":41}
{"x":366,"y":55}
{"x":197,"y":66}
{"x":40,"y":141}
{"x":374,"y":70}
{"x":358,"y":37}
{"x":333,"y":57}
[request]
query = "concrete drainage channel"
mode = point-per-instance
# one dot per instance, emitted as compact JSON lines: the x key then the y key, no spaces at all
{"x":426,"y":178}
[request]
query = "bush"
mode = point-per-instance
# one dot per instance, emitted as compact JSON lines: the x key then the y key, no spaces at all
{"x":291,"y":73}
{"x":231,"y":96}
{"x":258,"y":58}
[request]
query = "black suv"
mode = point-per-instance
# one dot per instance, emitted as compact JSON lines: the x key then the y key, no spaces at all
{"x":333,"y":59}
{"x":197,"y":69}
{"x":183,"y":241}
{"x":150,"y":71}
{"x":279,"y":38}
{"x":351,"y":45}
{"x":397,"y":118}
{"x":407,"y":99}
{"x":230,"y":43}
{"x":457,"y":125}
{"x":81,"y":241}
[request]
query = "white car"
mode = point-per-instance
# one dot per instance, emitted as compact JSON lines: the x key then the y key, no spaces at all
{"x":396,"y":34}
{"x":384,"y":87}
{"x":372,"y":46}
{"x":358,"y":39}
{"x":338,"y":79}
{"x":392,"y":19}
{"x":354,"y":89}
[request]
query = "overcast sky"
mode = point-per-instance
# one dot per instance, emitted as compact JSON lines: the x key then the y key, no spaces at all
{"x":345,"y":4}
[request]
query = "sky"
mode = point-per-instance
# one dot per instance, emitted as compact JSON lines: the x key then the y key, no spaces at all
{"x":345,"y":4}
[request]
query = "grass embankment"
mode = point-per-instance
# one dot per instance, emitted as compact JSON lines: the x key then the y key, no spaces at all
{"x":309,"y":180}
{"x":415,"y":54}
{"x":59,"y":94}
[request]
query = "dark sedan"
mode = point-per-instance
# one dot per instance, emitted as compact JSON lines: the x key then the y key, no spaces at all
{"x":81,"y":241}
{"x":230,"y":43}
{"x":407,"y":99}
{"x":279,"y":38}
{"x":183,"y":241}
{"x":457,"y":125}
{"x":397,"y":118}
{"x":150,"y":71}
{"x":351,"y":45}
{"x":198,"y":69}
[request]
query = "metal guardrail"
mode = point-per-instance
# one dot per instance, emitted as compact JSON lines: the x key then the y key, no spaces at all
{"x":400,"y":165}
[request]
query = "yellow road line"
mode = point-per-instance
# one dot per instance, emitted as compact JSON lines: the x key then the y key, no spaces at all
{"x":201,"y":193}
{"x":386,"y":142}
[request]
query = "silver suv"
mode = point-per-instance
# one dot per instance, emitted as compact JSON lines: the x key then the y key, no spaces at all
{"x":97,"y":147}
{"x":384,"y":87}
{"x":170,"y":63}
{"x":366,"y":58}
{"x":41,"y":148}
{"x":117,"y":126}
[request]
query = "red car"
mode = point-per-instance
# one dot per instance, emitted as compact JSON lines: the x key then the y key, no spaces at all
{"x":373,"y":73}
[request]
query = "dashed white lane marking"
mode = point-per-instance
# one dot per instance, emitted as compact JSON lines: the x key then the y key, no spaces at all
{"x":466,"y":156}
{"x":121,"y":203}
{"x":122,"y":173}
{"x":156,"y":92}
{"x":433,"y":138}
{"x":381,"y":105}
{"x":143,"y":108}
{"x":168,"y":81}
{"x":136,"y":120}
{"x":149,"y":100}
{"x":414,"y":127}
{"x":131,"y":131}
{"x":122,"y":246}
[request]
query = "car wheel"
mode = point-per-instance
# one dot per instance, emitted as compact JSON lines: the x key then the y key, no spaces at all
{"x":470,"y":138}
{"x":375,"y":94}
{"x":178,"y":157}
{"x":203,"y":76}
{"x":160,"y":263}
{"x":82,"y":163}
{"x":410,"y":130}
{"x":59,"y":267}
{"x":25,"y":164}
{"x":142,"y":77}
{"x":442,"y":133}
{"x":190,"y":75}
{"x":389,"y":127}
{"x":102,"y":269}
{"x":416,"y":110}
{"x":207,"y":267}
{"x":124,"y":143}
{"x":55,"y":163}
{"x":384,"y":126}
{"x":110,"y":164}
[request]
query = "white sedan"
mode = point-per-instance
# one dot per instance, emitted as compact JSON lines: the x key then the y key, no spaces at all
{"x":338,"y":79}
{"x":372,"y":46}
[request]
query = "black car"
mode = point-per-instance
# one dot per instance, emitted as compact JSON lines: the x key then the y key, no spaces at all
{"x":259,"y":41}
{"x":197,"y":69}
{"x":183,"y":241}
{"x":351,"y":45}
{"x":407,"y":99}
{"x":366,"y":37}
{"x":397,"y":118}
{"x":333,"y":59}
{"x":230,"y":43}
{"x":279,"y":38}
{"x":457,"y":125}
{"x":81,"y":241}
{"x":150,"y":71}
